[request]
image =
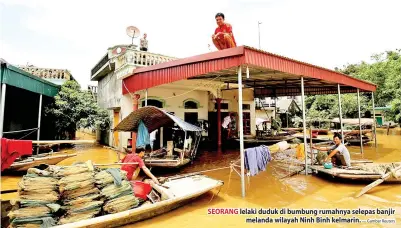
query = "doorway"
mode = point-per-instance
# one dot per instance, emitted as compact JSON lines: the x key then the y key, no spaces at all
{"x":191,"y":117}
{"x":247,"y":123}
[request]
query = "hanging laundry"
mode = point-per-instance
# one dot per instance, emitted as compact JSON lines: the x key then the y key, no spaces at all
{"x":256,"y":159}
{"x":142,"y":138}
{"x":12,"y":149}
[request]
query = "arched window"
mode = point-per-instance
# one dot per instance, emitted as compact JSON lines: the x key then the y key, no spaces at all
{"x":190,"y":105}
{"x":153,"y":102}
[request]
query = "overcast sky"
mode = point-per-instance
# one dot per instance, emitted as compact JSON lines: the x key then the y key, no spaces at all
{"x":74,"y":34}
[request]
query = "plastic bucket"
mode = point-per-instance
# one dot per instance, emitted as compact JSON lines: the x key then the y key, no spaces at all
{"x":141,"y":189}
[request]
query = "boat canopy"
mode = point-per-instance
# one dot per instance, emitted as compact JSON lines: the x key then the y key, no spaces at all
{"x":364,"y":121}
{"x":153,"y":118}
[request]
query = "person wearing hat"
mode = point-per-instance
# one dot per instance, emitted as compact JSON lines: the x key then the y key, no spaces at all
{"x":338,"y":153}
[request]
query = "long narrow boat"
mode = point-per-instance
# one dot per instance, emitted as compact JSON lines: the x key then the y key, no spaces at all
{"x":30,"y":162}
{"x":166,"y":163}
{"x":175,"y":193}
{"x":268,"y":140}
{"x":359,"y":172}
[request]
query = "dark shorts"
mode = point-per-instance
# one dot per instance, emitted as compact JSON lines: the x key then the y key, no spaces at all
{"x":340,"y":161}
{"x":144,"y":49}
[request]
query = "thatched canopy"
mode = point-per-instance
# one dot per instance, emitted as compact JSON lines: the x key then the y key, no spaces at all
{"x":153,"y":118}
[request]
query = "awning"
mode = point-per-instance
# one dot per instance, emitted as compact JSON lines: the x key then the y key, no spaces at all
{"x":261,"y":120}
{"x":364,"y":121}
{"x":153,"y":118}
{"x":16,"y":77}
{"x":270,"y":75}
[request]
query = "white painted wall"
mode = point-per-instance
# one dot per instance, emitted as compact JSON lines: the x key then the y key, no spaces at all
{"x":175,"y":103}
{"x":109,"y":92}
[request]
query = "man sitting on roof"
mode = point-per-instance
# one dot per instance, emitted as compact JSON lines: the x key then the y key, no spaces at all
{"x":338,"y":153}
{"x":223,"y":37}
{"x":133,"y":169}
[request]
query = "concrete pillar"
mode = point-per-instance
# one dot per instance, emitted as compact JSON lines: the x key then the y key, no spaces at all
{"x":218,"y":101}
{"x":135,"y":99}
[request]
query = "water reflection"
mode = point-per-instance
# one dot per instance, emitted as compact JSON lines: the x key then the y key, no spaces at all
{"x":265,"y":190}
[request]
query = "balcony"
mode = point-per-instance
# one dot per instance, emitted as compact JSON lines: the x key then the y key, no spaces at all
{"x":132,"y":59}
{"x":56,"y":76}
{"x":102,"y":68}
{"x":123,"y":59}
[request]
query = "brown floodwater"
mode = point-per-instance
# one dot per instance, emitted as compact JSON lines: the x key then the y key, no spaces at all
{"x":265,"y":190}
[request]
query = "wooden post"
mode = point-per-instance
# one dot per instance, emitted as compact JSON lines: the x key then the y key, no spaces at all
{"x":135,"y":107}
{"x":359,"y":116}
{"x":311,"y":151}
{"x":374,"y":119}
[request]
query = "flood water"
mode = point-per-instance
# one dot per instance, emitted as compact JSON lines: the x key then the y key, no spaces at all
{"x":265,"y":190}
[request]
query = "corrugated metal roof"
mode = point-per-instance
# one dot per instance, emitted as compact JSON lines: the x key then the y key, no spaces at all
{"x":153,"y":118}
{"x":267,"y":71}
{"x":14,"y":76}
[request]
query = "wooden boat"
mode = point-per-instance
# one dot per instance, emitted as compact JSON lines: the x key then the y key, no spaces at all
{"x":293,"y":129}
{"x":355,"y":140}
{"x":160,"y":162}
{"x":358,"y":172}
{"x":269,"y":140}
{"x":319,"y":138}
{"x":175,"y":193}
{"x":33,"y":161}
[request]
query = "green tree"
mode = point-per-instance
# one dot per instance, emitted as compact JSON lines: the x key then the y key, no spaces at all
{"x":73,"y":109}
{"x":384,"y":71}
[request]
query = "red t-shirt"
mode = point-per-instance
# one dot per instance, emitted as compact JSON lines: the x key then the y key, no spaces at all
{"x":130,"y":168}
{"x":225,"y":28}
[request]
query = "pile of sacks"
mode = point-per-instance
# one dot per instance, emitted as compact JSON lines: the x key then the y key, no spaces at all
{"x":79,"y":195}
{"x":116,"y":191}
{"x":37,"y":204}
{"x":70,"y":193}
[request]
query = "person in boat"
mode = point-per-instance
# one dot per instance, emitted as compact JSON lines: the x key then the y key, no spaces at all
{"x":223,"y":36}
{"x":338,"y":153}
{"x":133,"y":169}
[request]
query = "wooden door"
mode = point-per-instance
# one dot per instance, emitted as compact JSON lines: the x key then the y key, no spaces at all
{"x":247,"y":123}
{"x":116,"y":120}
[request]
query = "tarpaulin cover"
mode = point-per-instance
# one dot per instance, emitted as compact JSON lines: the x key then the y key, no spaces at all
{"x":12,"y":149}
{"x":143,"y":137}
{"x":153,"y":118}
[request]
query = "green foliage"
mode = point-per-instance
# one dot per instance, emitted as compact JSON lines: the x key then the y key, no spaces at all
{"x":385,"y":72}
{"x":73,"y":109}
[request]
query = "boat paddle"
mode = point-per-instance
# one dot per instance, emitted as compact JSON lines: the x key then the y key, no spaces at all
{"x":377,"y":182}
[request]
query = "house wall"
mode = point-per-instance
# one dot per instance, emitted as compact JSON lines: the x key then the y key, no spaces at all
{"x":109,"y":92}
{"x":171,"y":104}
{"x":109,"y":97}
{"x":231,"y":96}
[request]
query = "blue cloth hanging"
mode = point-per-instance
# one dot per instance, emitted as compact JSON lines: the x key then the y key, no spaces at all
{"x":142,"y":137}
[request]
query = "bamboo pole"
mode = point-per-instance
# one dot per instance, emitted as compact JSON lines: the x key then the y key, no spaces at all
{"x":311,"y":150}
